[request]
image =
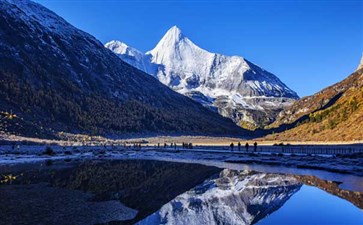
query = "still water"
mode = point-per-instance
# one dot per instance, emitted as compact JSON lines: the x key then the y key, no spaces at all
{"x":155,"y":192}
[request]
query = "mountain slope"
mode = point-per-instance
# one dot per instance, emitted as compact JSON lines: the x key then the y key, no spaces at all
{"x":237,"y":88}
{"x":55,"y":77}
{"x":335,"y":113}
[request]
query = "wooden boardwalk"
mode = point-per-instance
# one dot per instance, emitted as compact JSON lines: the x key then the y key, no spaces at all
{"x":286,"y":149}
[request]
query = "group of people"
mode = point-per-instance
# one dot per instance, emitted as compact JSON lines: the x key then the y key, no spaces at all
{"x":187,"y":145}
{"x":246,"y":146}
{"x":190,"y":146}
{"x":174,"y":145}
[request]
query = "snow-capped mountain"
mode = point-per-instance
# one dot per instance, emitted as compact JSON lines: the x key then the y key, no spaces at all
{"x":55,"y":78}
{"x":235,"y":197}
{"x":232,"y":85}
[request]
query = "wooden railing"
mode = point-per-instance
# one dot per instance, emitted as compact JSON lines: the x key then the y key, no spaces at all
{"x":291,"y":149}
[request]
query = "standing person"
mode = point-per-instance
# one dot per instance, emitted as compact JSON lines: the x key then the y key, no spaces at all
{"x":246,"y":146}
{"x":255,"y":146}
{"x":231,"y":145}
{"x":239,"y":146}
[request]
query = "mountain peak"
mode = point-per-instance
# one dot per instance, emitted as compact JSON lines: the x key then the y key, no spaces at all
{"x":175,"y":31}
{"x":228,"y":84}
{"x":120,"y":47}
{"x":173,"y":45}
{"x":360,"y":66}
{"x":172,"y":36}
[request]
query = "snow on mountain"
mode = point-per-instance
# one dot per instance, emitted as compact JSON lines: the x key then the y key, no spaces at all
{"x":132,"y":56}
{"x":46,"y":18}
{"x":360,"y":66}
{"x":235,"y":197}
{"x":232,"y":85}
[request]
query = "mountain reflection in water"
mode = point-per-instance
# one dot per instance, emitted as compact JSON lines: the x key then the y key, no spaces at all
{"x":140,"y":185}
{"x":246,"y":197}
{"x":234,"y":197}
{"x":151,"y":192}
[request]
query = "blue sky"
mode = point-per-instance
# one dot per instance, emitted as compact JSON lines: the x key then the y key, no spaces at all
{"x":308,"y":44}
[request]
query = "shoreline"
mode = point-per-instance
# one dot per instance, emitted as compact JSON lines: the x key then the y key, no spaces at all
{"x":344,"y":165}
{"x":196,"y":140}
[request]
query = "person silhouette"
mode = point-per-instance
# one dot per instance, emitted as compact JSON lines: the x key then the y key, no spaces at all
{"x":246,"y":146}
{"x":231,"y":145}
{"x":190,"y":145}
{"x":255,"y":146}
{"x":239,"y":146}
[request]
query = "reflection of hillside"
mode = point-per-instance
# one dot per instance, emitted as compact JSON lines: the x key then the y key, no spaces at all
{"x":141,"y":185}
{"x":161,"y":192}
{"x":333,"y":187}
{"x":235,"y":197}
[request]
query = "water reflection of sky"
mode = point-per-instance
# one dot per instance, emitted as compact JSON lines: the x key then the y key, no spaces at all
{"x":169,"y":193}
{"x":312,"y":206}
{"x":248,"y":197}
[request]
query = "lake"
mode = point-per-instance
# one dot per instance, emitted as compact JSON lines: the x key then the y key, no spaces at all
{"x":157,"y":192}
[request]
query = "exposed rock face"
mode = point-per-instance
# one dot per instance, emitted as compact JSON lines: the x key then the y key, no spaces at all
{"x":234,"y":197}
{"x":231,"y":85}
{"x":55,"y":77}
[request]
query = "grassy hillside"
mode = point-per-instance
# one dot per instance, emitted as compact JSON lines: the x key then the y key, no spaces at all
{"x":334,"y":114}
